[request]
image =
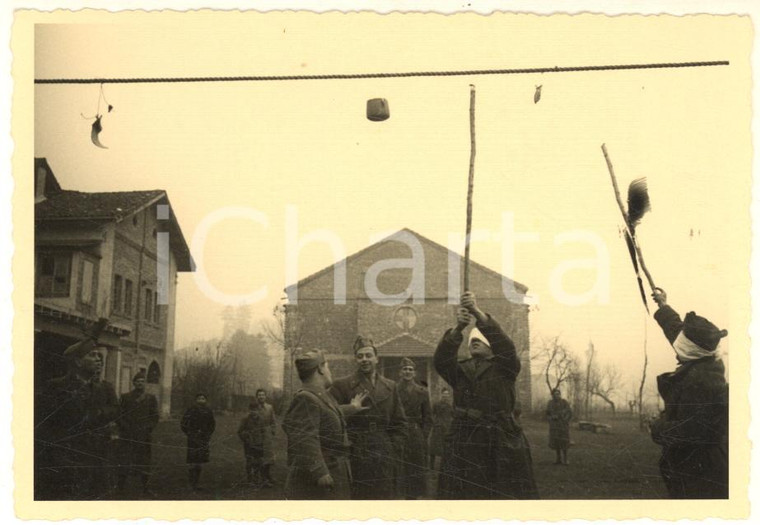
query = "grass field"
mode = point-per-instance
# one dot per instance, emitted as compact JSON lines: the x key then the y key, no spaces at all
{"x":619,"y":465}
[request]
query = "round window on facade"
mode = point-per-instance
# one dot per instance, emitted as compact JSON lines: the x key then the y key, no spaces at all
{"x":405,"y":317}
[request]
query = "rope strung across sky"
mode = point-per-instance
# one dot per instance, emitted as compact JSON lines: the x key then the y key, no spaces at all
{"x":352,"y":76}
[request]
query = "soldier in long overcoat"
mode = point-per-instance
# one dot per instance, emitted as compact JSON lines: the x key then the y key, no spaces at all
{"x":693,"y":429}
{"x":76,"y":428}
{"x":378,"y":433}
{"x":251,"y":431}
{"x":443,"y":414}
{"x":138,"y":416}
{"x":416,"y":403}
{"x":559,"y":414}
{"x":488,"y":456}
{"x":318,"y":445}
{"x":198,"y":424}
{"x":266,"y":417}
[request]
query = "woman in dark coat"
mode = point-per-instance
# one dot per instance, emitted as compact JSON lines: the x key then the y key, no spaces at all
{"x":489,"y":456}
{"x":443,"y":414}
{"x":693,"y":429}
{"x":198,"y":424}
{"x":559,"y":414}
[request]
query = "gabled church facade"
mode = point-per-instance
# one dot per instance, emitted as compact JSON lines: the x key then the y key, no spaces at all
{"x":403,"y":293}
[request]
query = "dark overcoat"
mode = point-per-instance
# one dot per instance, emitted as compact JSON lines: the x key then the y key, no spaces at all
{"x":75,"y":438}
{"x":416,"y":403}
{"x":488,"y":456}
{"x":693,"y":429}
{"x":443,"y":414}
{"x":138,"y":416}
{"x":377,"y":435}
{"x":266,"y":417}
{"x":559,"y":414}
{"x":317,"y":445}
{"x":251,"y":433}
{"x":198,"y":424}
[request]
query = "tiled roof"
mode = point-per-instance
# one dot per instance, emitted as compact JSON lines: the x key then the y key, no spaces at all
{"x":519,"y":286}
{"x":80,"y":205}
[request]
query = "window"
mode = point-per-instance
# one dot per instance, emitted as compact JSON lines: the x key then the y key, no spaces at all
{"x":87,"y":273}
{"x":116,"y":297}
{"x":155,"y":308}
{"x":53,"y":275}
{"x":148,"y":312}
{"x":128,"y":297}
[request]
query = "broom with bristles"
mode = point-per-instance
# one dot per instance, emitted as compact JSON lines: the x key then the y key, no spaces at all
{"x":638,"y":205}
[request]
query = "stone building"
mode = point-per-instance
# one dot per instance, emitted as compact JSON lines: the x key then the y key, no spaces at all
{"x":403,"y":292}
{"x":113,"y":255}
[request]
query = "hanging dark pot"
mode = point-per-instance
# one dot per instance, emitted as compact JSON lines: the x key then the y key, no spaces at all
{"x":377,"y":109}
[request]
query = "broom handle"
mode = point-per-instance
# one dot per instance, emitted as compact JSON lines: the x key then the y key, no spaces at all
{"x":470,"y":185}
{"x":625,"y":218}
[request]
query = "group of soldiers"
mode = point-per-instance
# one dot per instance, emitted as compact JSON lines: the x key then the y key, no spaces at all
{"x":365,"y":436}
{"x":85,"y":436}
{"x":359,"y":437}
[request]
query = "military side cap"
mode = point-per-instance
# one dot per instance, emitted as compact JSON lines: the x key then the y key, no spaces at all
{"x":139,"y":375}
{"x":364,"y":342}
{"x":80,"y":349}
{"x":702,"y":332}
{"x":94,"y":330}
{"x":405,"y":361}
{"x":309,"y":360}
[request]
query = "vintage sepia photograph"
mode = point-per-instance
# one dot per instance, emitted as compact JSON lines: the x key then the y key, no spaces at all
{"x":292,"y":257}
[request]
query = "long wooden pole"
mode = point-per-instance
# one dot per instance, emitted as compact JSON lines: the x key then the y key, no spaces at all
{"x":625,"y":217}
{"x":470,"y":185}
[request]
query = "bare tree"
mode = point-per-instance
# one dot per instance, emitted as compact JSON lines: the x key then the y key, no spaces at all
{"x":251,"y":366}
{"x":603,"y":383}
{"x":576,"y":388}
{"x":203,"y":369}
{"x":590,"y":352}
{"x":285,"y":330}
{"x":642,"y":419}
{"x":559,"y":363}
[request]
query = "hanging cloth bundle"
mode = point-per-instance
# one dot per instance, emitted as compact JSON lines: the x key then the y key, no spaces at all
{"x":97,"y":126}
{"x":378,"y":110}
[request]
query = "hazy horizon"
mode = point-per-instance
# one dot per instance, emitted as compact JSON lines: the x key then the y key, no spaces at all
{"x":271,"y":147}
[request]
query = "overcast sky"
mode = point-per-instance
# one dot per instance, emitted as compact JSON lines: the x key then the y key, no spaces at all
{"x":268,"y":146}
